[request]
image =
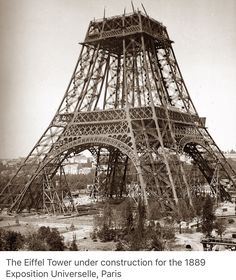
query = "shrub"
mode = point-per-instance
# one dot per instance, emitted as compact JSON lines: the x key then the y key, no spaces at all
{"x":45,"y":239}
{"x":230,"y":221}
{"x":55,"y":241}
{"x":35,"y":243}
{"x":106,"y":234}
{"x":220,"y":226}
{"x":73,"y":245}
{"x":11,"y":241}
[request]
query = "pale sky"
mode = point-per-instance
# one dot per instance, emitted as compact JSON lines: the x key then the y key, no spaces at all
{"x":39,"y":48}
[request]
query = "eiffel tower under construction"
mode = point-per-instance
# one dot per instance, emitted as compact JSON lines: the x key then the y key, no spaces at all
{"x":126,"y":95}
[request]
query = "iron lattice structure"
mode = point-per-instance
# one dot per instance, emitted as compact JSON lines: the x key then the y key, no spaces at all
{"x":127,"y":95}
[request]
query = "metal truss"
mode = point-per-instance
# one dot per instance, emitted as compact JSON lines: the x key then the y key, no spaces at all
{"x":127,"y":95}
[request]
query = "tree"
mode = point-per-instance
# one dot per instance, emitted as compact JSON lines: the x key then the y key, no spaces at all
{"x":208,"y":216}
{"x":46,"y":239}
{"x":55,"y":241}
{"x":107,"y":215}
{"x":141,"y":217}
{"x":220,"y":226}
{"x":104,"y":225}
{"x":128,"y":217}
{"x":73,"y":245}
{"x":198,"y":202}
{"x":138,"y":236}
{"x":1,"y":240}
{"x":157,"y":243}
{"x":79,"y":181}
{"x":43,"y":232}
{"x":35,"y":243}
{"x":185,"y":211}
{"x":12,"y":241}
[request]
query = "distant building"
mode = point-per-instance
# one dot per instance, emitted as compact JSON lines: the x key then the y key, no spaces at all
{"x":230,"y":155}
{"x":71,"y":168}
{"x":85,"y":170}
{"x":79,"y":164}
{"x":4,"y":162}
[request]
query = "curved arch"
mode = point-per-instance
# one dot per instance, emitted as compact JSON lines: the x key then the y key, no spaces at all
{"x":86,"y":140}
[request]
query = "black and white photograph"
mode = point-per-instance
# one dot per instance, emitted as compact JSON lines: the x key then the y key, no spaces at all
{"x":118,"y":125}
